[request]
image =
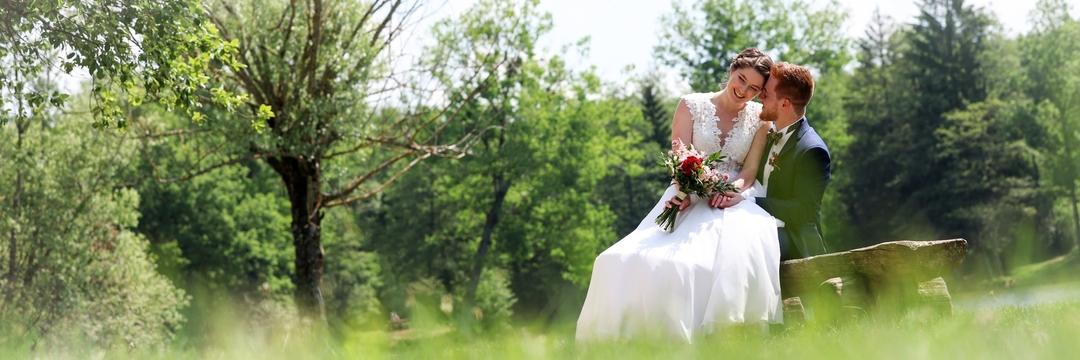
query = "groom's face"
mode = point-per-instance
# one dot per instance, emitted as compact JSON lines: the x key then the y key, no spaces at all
{"x":769,"y":101}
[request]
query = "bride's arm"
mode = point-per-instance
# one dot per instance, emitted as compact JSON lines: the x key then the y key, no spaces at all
{"x":681,"y":129}
{"x":748,"y":174}
{"x":753,"y":158}
{"x":682,"y":124}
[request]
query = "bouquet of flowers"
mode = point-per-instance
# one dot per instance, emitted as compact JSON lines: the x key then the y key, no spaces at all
{"x":694,"y":174}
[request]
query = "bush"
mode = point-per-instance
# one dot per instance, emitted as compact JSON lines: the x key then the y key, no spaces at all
{"x":80,"y":273}
{"x":494,"y":300}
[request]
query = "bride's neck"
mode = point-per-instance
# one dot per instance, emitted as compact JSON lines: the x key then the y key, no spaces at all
{"x":726,"y":104}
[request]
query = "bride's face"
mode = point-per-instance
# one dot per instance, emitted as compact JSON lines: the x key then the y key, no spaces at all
{"x":745,"y":84}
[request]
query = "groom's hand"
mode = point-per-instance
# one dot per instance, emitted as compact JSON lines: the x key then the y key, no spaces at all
{"x":730,"y":199}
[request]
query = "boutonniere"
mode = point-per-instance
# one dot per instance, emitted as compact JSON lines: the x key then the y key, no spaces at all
{"x":773,"y":159}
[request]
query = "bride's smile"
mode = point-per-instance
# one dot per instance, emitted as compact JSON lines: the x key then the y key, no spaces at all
{"x":737,"y":94}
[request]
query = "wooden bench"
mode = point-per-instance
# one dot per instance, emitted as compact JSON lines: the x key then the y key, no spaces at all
{"x":893,"y":275}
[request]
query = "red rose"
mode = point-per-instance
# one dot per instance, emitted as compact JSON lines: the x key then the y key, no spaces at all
{"x":691,"y":165}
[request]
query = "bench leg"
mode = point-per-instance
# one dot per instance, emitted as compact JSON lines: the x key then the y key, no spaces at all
{"x":934,"y":294}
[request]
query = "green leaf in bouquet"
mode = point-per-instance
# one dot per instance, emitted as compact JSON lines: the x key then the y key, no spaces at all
{"x":714,"y":157}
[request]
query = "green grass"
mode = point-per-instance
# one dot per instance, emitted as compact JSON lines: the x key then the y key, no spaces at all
{"x":1047,"y":331}
{"x":972,"y":332}
{"x":1058,"y":269}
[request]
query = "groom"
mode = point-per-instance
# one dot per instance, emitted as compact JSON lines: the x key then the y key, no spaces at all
{"x":795,"y":164}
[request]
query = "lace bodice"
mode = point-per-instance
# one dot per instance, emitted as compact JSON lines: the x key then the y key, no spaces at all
{"x":707,"y":135}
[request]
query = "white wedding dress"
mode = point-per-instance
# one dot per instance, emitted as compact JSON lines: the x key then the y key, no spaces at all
{"x":718,"y":267}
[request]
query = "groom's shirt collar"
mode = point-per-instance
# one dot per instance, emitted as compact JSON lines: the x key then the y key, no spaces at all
{"x":787,"y":130}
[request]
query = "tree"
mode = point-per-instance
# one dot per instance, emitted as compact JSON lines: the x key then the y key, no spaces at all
{"x":72,"y":268}
{"x":1049,"y":56}
{"x":987,"y":191}
{"x":880,"y":102}
{"x":945,"y":56}
{"x":640,"y":177}
{"x":907,"y":84}
{"x":702,"y":41}
{"x":229,"y":226}
{"x":530,"y":203}
{"x":656,"y":111}
{"x":159,"y":50}
{"x":320,"y":73}
{"x":530,"y":113}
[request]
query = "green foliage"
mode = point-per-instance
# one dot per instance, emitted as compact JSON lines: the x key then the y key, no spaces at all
{"x":232,"y":231}
{"x":909,"y":78}
{"x":977,"y":118}
{"x":494,"y":300}
{"x":230,"y":226}
{"x":317,"y":76}
{"x":528,"y":188}
{"x":75,"y":273}
{"x":1049,"y":58}
{"x":163,"y":50}
{"x":636,"y":185}
{"x":656,"y":113}
{"x":701,"y":41}
{"x":354,"y":275}
{"x":989,"y":190}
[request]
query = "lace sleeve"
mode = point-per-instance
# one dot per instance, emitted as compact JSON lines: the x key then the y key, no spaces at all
{"x":694,"y":106}
{"x":753,"y":114}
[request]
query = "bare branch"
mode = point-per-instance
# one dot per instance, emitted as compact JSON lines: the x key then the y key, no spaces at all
{"x":382,"y":26}
{"x":456,"y":150}
{"x":338,"y":201}
{"x":363,"y":20}
{"x":356,"y":182}
{"x":170,"y":133}
{"x":192,"y":174}
{"x":412,"y":145}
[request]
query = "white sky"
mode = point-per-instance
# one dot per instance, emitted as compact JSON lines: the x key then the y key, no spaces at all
{"x":623,"y":32}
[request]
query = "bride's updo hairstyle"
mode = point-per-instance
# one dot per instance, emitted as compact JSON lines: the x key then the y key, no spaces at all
{"x":752,"y":58}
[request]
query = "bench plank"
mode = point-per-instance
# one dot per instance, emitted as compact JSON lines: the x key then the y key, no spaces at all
{"x":899,"y":273}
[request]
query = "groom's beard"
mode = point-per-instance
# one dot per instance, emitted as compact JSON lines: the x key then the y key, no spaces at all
{"x":768,"y":114}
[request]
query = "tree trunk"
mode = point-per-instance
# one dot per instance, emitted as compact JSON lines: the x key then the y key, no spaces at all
{"x":1067,"y":140}
{"x":302,"y":181}
{"x":1076,"y":215}
{"x":501,"y":187}
{"x":21,"y":126}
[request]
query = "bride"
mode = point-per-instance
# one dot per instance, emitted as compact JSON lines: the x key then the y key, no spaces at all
{"x":720,"y":265}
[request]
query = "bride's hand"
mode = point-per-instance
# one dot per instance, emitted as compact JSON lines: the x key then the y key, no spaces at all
{"x":681,"y":204}
{"x":716,"y":200}
{"x":730,"y":199}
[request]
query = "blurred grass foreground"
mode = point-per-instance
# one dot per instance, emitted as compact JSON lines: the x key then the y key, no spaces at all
{"x":1034,"y":322}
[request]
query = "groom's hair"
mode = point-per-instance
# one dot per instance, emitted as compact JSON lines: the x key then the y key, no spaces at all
{"x":795,"y":83}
